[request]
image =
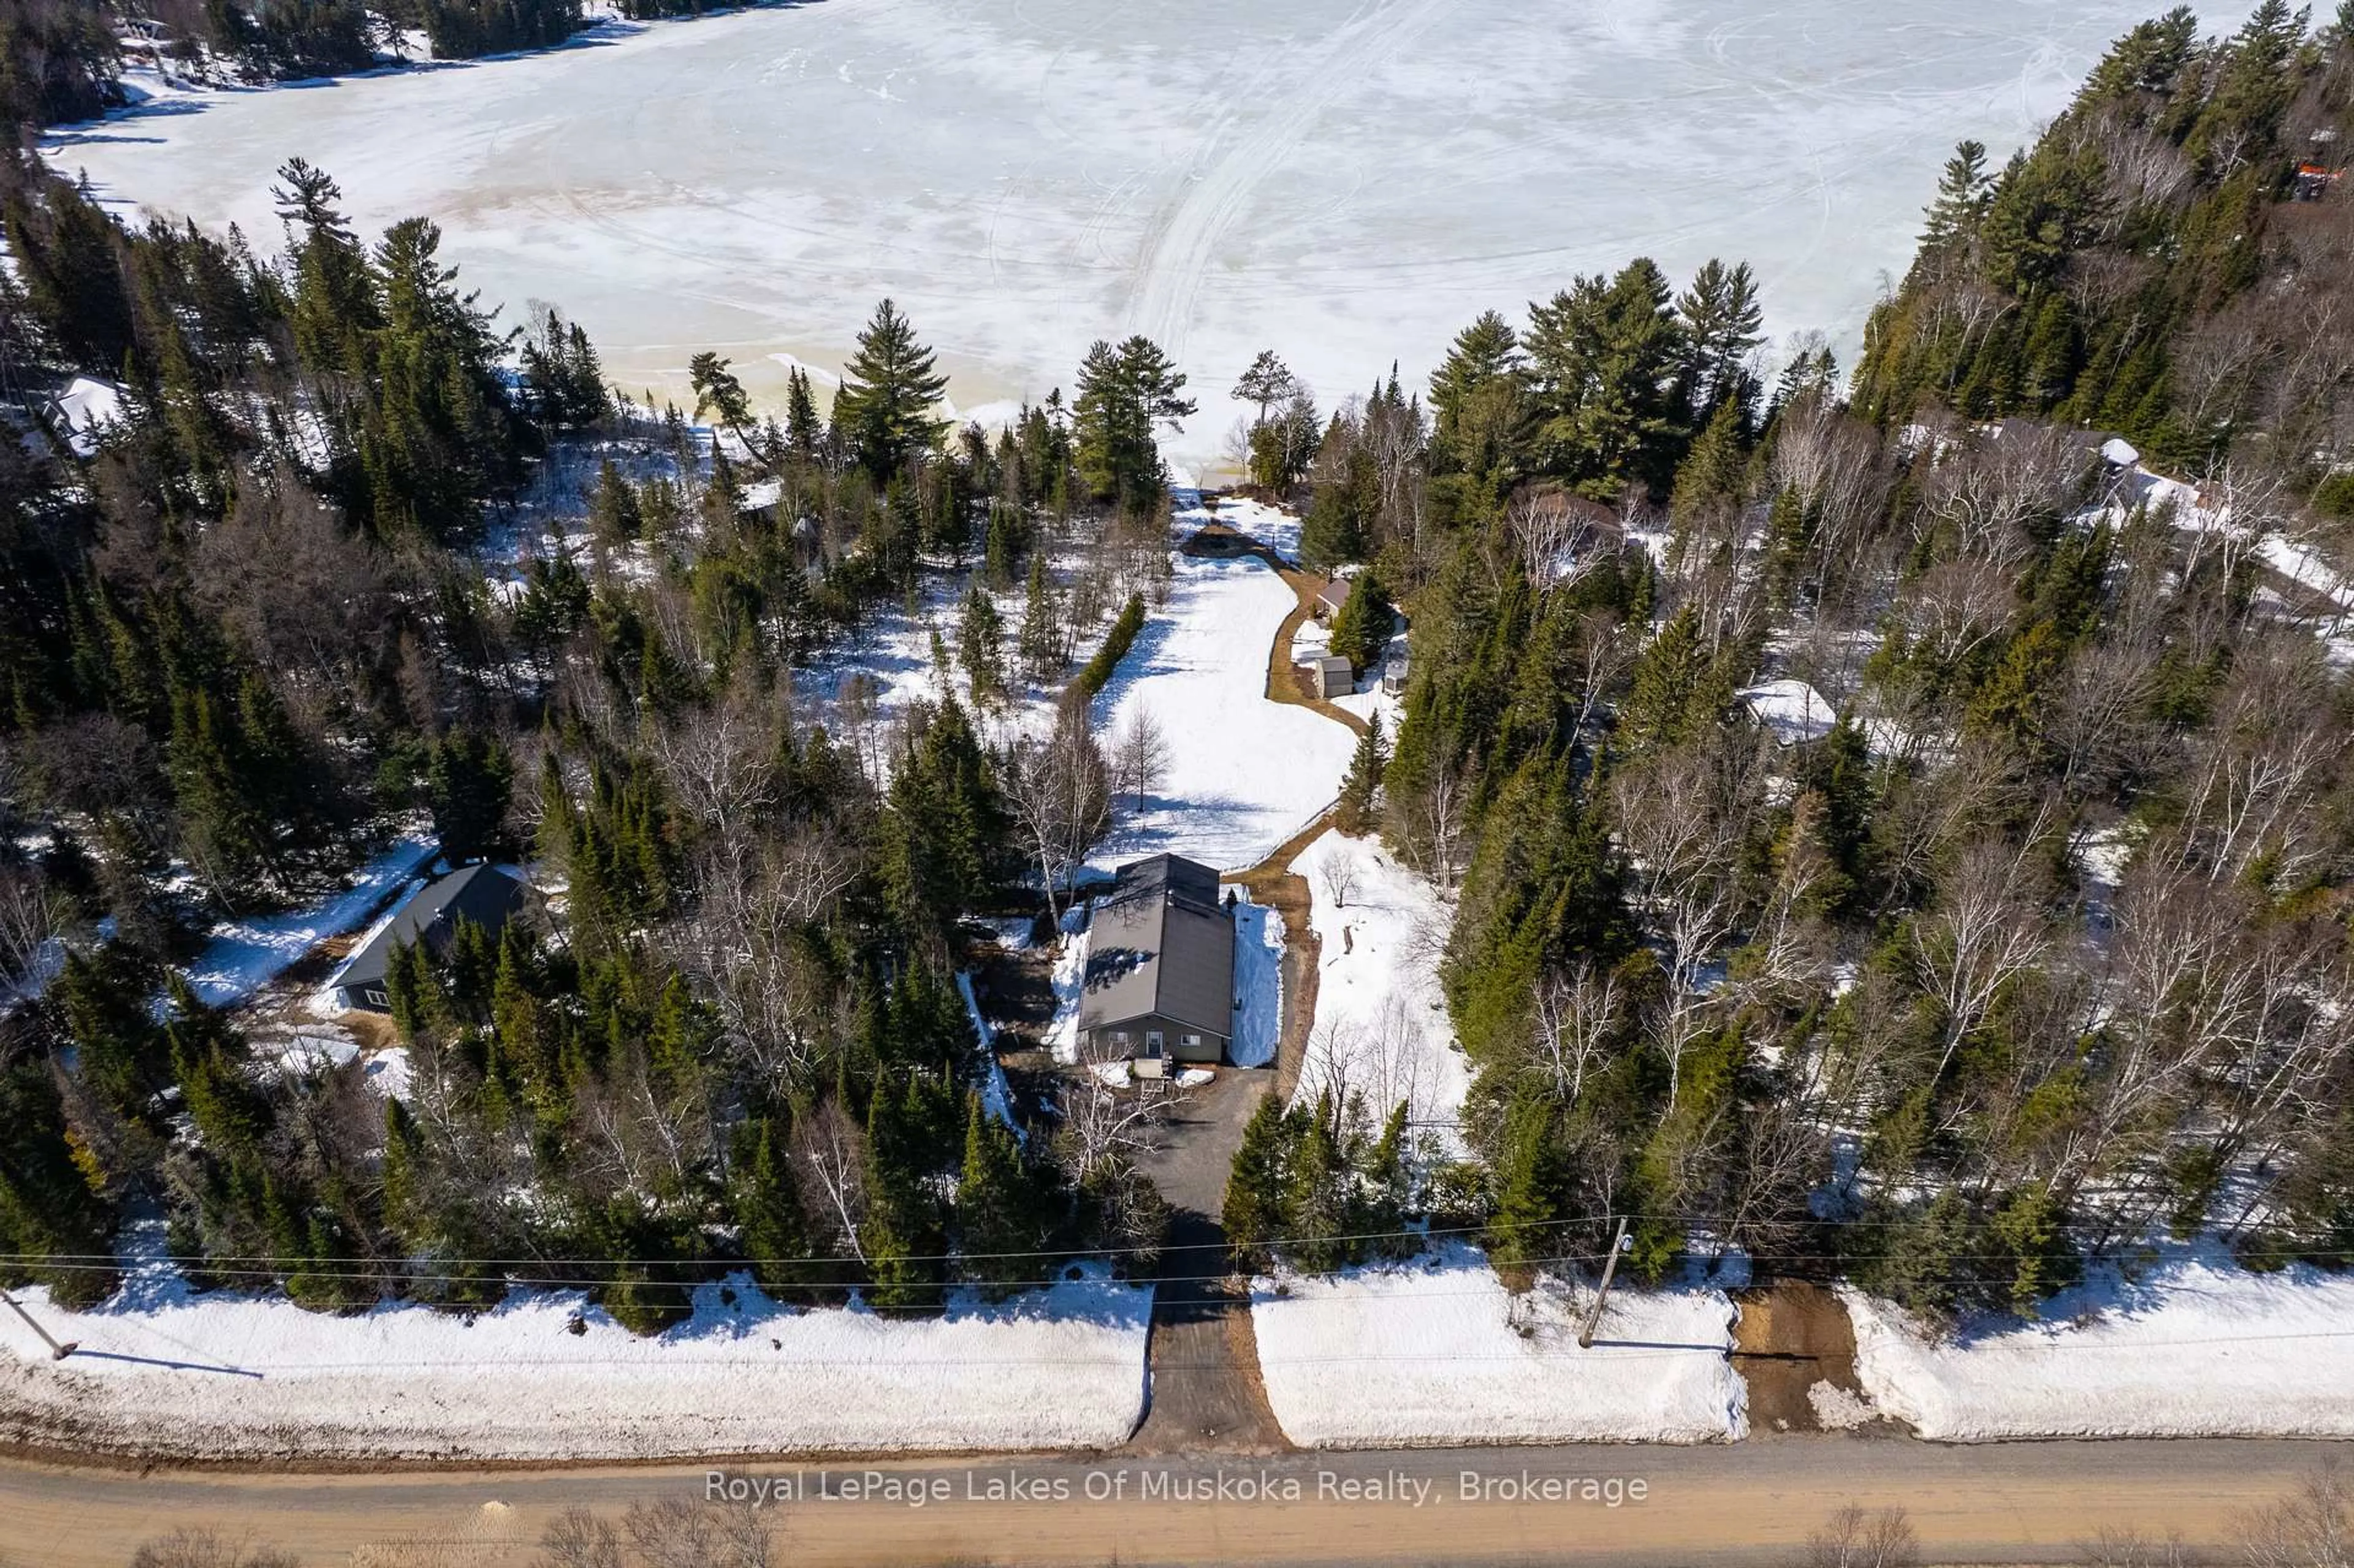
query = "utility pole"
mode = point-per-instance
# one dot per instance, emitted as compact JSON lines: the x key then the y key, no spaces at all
{"x":1619,"y":1249}
{"x":58,"y":1353}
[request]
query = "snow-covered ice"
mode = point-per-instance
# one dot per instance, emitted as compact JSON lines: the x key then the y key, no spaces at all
{"x":160,"y":1372}
{"x":1381,"y":1029}
{"x":1245,"y":773}
{"x":2196,"y":1347}
{"x":1435,"y":1352}
{"x":246,"y":955}
{"x":1349,"y":181}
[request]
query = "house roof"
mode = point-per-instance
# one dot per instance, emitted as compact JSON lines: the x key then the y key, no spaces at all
{"x":1334,"y":594}
{"x":483,"y":894}
{"x":1161,"y":944}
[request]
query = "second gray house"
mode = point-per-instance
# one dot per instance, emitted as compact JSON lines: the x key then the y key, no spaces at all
{"x":1160,"y":966}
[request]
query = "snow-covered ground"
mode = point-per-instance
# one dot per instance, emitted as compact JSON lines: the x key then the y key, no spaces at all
{"x":1435,"y":1352}
{"x":163,"y":1373}
{"x":1245,"y":774}
{"x":1223,"y":177}
{"x":1258,"y":983}
{"x":1381,"y":1030}
{"x":2197,"y":1347}
{"x":243,"y":956}
{"x":1271,"y":526}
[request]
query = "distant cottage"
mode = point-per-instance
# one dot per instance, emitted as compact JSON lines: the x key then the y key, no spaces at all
{"x":483,"y":895}
{"x":1160,"y":980}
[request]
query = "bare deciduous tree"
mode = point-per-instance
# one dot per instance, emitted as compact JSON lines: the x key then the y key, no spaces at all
{"x":1140,"y":757}
{"x":1855,"y":1538}
{"x":1058,"y":791}
{"x":829,"y":1154}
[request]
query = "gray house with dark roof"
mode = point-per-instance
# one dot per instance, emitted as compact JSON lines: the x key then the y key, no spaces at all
{"x":481,"y":893}
{"x":1159,"y":979}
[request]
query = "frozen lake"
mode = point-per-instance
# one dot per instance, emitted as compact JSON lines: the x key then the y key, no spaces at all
{"x":1349,"y":181}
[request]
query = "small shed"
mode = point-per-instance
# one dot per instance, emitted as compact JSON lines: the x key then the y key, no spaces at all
{"x":1330,"y":598}
{"x":1334,"y":676}
{"x":482,"y":895}
{"x":1396,"y":673}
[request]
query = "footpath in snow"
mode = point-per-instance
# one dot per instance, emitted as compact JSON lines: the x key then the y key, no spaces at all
{"x":1381,"y":1032}
{"x":162,"y":1372}
{"x":1245,"y":774}
{"x":2199,"y":1347}
{"x":1435,"y":1352}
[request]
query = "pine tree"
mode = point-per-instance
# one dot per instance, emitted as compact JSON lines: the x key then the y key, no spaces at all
{"x":1363,"y":624}
{"x":768,"y":1207}
{"x":1358,"y":812}
{"x":888,"y":390}
{"x":997,"y":1210}
{"x":980,"y":642}
{"x":1253,"y":1216}
{"x":1721,"y":326}
{"x":1124,"y":393}
{"x":804,"y":432}
{"x":718,"y":390}
{"x":1521,"y":1231}
{"x":1477,"y":397}
{"x":1678,"y":692}
{"x":1602,"y":361}
{"x":1964,"y":191}
{"x":1042,"y":626}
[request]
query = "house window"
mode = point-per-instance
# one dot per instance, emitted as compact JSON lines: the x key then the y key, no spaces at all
{"x":1152,"y":1042}
{"x":1120,"y":1039}
{"x":1192,"y":1042}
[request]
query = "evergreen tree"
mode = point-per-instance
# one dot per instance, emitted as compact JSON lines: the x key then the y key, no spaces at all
{"x":1477,"y":397}
{"x":1361,"y":627}
{"x":1358,"y":812}
{"x":1253,"y":1216}
{"x":998,"y":1214}
{"x":1124,"y":393}
{"x":888,"y":391}
{"x":1602,"y":360}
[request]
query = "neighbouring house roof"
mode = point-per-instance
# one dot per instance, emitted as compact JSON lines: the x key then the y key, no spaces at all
{"x":483,"y":894}
{"x":1794,"y":711}
{"x":86,"y":407}
{"x":1161,"y":944}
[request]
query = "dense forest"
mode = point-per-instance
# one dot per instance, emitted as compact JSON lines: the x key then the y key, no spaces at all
{"x":62,"y":60}
{"x":2037,"y":951}
{"x":2042,"y":949}
{"x":248,"y":636}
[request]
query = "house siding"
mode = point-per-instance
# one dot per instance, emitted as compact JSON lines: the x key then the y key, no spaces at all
{"x":1106,"y":1042}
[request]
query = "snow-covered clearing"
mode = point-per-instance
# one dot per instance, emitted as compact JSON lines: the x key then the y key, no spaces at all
{"x":1435,"y":1352}
{"x":246,"y":955}
{"x":1245,"y":774}
{"x":1271,"y":526}
{"x":1258,"y":983}
{"x":1381,"y":1032}
{"x":1024,"y":179}
{"x":160,"y":1372}
{"x":2197,"y":1347}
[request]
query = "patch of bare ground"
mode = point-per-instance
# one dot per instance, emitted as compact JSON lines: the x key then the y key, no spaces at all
{"x":1791,"y":1336}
